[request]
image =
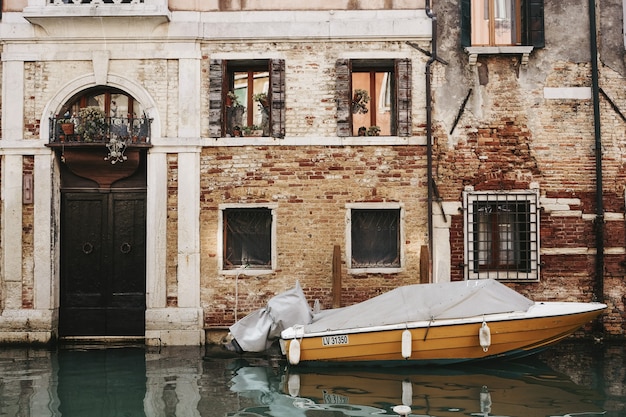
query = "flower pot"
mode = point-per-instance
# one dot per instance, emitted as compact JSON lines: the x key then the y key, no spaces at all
{"x":67,"y":128}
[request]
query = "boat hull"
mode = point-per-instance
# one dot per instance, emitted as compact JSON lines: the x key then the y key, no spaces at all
{"x":445,"y":341}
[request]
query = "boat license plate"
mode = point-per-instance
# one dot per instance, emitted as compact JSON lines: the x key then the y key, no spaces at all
{"x":340,"y":339}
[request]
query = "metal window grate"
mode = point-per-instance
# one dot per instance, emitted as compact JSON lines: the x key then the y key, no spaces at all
{"x":501,"y":239}
{"x":375,"y":237}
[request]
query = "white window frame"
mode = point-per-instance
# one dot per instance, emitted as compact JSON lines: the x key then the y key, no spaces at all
{"x":532,"y":197}
{"x":348,"y":232}
{"x":220,"y":240}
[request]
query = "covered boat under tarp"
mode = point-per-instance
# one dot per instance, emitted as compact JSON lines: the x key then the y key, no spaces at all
{"x":450,"y":300}
{"x":258,"y":330}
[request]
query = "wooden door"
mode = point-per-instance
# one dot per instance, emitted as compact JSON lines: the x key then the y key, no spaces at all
{"x":103,"y":260}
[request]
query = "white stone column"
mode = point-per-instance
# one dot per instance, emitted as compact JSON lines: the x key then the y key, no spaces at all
{"x":441,"y":240}
{"x":12,"y":231}
{"x":189,"y":229}
{"x":45,"y":273}
{"x":180,"y":325}
{"x":188,"y":98}
{"x":12,"y":97}
{"x":156,"y":229}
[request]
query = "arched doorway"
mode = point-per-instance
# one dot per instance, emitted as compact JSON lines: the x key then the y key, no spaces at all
{"x":103,"y":217}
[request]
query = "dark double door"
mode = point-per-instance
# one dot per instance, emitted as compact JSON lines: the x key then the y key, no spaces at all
{"x":103,"y":257}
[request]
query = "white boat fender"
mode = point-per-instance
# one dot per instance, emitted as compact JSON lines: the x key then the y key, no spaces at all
{"x":407,"y":344}
{"x":402,"y":410}
{"x":294,"y":352}
{"x":484,"y":336}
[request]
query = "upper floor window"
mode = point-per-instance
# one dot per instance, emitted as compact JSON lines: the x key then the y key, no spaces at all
{"x":502,"y":235}
{"x":247,"y":98}
{"x":502,"y":23}
{"x":374,"y":237}
{"x":248,"y":238}
{"x":373,"y":97}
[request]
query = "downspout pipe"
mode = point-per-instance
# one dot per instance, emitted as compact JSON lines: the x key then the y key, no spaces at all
{"x":595,"y":91}
{"x":429,"y":133}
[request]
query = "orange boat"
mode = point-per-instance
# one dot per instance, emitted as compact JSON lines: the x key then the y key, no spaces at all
{"x":439,"y":323}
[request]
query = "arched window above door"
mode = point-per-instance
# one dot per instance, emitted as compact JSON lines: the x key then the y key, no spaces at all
{"x":101,"y":115}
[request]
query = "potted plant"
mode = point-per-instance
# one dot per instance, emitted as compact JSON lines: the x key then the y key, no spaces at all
{"x":264,"y":107}
{"x":234,"y":112}
{"x":359,"y":101}
{"x":66,"y":125}
{"x":373,"y":131}
{"x":92,"y":123}
{"x":253,"y":130}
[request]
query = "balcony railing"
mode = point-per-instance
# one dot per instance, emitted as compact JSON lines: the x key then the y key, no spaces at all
{"x":132,"y":132}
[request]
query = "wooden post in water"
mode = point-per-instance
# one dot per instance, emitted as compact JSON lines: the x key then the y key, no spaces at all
{"x":336,"y":276}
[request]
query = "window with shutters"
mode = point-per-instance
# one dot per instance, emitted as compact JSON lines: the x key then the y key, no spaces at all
{"x":248,"y":237}
{"x":374,"y":241}
{"x":502,"y":235}
{"x":373,"y":97}
{"x":247,"y":98}
{"x":502,"y":26}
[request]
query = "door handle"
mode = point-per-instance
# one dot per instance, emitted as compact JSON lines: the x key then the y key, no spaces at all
{"x":87,"y":248}
{"x":125,"y":248}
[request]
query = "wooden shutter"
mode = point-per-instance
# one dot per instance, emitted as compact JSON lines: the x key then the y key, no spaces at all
{"x":532,"y":24}
{"x":343,"y":91}
{"x":217,"y":70}
{"x":466,"y":23}
{"x":403,"y":97}
{"x":277,"y":98}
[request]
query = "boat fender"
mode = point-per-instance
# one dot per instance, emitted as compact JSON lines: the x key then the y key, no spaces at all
{"x":406,"y":344}
{"x":484,"y":336}
{"x":402,"y":410}
{"x":294,"y":352}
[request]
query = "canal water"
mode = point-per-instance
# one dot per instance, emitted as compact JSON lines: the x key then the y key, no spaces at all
{"x":573,"y":379}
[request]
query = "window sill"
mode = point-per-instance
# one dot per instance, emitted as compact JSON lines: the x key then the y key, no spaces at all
{"x":474,"y":51}
{"x":245,"y":271}
{"x":362,"y":271}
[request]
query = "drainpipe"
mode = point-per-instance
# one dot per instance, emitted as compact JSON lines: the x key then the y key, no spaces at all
{"x":595,"y":91}
{"x":429,"y":133}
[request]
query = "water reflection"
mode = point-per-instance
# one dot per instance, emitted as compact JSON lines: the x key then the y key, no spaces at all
{"x":177,"y":382}
{"x":505,"y":389}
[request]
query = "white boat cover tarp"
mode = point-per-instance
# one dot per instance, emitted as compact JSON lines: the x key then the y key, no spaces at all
{"x":256,"y":331}
{"x":451,"y":300}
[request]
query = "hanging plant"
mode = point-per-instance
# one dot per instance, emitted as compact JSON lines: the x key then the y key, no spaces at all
{"x":359,"y":101}
{"x":92,"y":123}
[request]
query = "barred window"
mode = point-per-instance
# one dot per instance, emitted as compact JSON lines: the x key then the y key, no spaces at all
{"x":374,"y":238}
{"x":502,"y":236}
{"x":247,"y":238}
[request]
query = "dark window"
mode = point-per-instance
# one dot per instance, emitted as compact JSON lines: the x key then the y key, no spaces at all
{"x":502,"y":23}
{"x":247,"y":97}
{"x":374,"y":97}
{"x":375,"y":238}
{"x":503,"y":236}
{"x":247,"y":238}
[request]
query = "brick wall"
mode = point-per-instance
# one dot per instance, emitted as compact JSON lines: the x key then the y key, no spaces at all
{"x":311,"y":186}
